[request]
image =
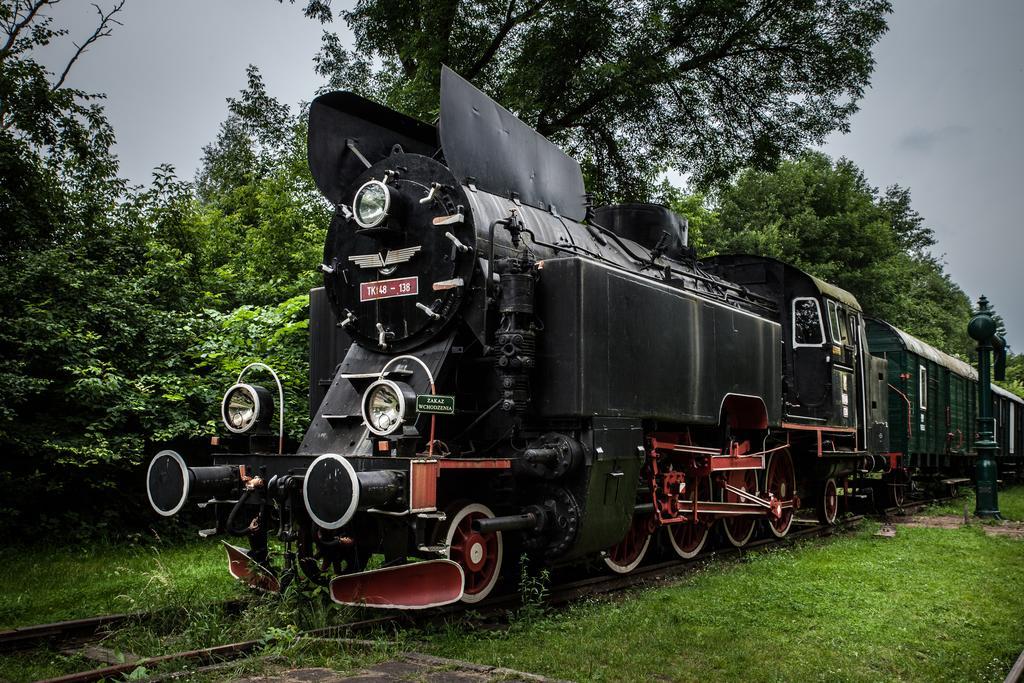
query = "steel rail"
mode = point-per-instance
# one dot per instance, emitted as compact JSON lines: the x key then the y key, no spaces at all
{"x":915,"y":505}
{"x":26,"y":636}
{"x":22,"y":637}
{"x":1016,"y":671}
{"x":668,"y":569}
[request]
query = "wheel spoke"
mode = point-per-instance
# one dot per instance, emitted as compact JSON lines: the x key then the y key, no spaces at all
{"x":739,"y":529}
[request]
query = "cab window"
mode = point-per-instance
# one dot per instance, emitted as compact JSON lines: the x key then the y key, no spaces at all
{"x":807,"y":325}
{"x":837,"y":324}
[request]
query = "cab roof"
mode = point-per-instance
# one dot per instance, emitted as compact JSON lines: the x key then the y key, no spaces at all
{"x":830,"y":290}
{"x":825,"y":288}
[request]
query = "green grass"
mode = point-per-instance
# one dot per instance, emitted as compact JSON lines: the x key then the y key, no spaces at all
{"x":205,"y":628}
{"x":927,"y":605}
{"x":1011,"y":504}
{"x":191,"y":580}
{"x":48,"y":583}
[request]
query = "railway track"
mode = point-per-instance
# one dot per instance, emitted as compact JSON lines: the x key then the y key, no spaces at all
{"x":647,"y":575}
{"x":90,"y":629}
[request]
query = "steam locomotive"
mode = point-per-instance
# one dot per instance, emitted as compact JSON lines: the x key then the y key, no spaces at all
{"x":498,"y":367}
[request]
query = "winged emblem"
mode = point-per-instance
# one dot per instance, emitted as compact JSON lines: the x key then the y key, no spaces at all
{"x":391,"y":258}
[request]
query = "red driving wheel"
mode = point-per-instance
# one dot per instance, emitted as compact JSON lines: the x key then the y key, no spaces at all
{"x":828,"y":506}
{"x":780,"y":481}
{"x":478,"y":554}
{"x":739,"y":528}
{"x":688,"y":538}
{"x":624,"y":556}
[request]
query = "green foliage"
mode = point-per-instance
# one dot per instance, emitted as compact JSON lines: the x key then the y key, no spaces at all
{"x":1014,"y":374}
{"x":262,"y":220}
{"x":316,"y":9}
{"x":824,"y":217}
{"x":630,"y":88}
{"x":534,"y":588}
{"x":260,"y":225}
{"x":95,"y":301}
{"x":128,"y":311}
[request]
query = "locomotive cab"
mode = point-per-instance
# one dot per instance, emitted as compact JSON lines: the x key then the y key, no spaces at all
{"x":835,"y":392}
{"x":824,"y":382}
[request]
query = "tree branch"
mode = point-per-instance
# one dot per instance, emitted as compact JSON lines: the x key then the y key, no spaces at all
{"x":503,"y":31}
{"x":19,"y":26}
{"x":102,"y":31}
{"x":724,"y":50}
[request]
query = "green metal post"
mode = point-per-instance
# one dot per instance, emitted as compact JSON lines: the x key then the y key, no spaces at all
{"x":982,"y":329}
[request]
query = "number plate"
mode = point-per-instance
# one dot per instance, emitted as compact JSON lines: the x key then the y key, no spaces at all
{"x":429,"y":403}
{"x":386,"y":289}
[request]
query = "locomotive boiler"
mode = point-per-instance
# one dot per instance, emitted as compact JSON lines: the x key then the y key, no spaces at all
{"x":499,"y":368}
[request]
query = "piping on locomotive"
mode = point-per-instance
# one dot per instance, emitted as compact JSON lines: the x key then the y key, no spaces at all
{"x":499,"y":368}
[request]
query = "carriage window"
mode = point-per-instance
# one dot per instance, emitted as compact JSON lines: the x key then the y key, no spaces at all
{"x":807,"y":327}
{"x":853,"y":329}
{"x":1011,"y":438}
{"x":922,"y":387}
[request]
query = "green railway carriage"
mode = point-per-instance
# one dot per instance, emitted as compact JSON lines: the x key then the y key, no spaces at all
{"x":933,"y":407}
{"x":932,"y":401}
{"x":1008,"y":411}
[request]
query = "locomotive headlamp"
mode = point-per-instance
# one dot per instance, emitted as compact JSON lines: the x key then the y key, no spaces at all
{"x":386,"y":405}
{"x":246,"y":406}
{"x":370,"y":207}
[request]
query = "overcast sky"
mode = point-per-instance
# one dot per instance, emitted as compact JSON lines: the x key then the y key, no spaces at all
{"x":943,"y":115}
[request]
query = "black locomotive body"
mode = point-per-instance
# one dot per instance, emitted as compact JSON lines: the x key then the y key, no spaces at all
{"x":495,"y":363}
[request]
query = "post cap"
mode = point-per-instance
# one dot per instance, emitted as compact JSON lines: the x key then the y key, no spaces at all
{"x":982,"y":327}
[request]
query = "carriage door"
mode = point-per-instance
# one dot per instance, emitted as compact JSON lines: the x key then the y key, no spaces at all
{"x":958,"y":426}
{"x":845,"y":397}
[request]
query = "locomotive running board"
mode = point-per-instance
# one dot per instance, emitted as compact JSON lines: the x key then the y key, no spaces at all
{"x":410,"y":586}
{"x":248,"y":571}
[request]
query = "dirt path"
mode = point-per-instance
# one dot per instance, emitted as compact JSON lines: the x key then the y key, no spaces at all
{"x":1000,"y":528}
{"x":410,"y":667}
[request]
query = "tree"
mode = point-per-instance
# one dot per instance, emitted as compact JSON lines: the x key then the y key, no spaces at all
{"x":824,"y":217}
{"x":631,"y":88}
{"x":1014,"y":373}
{"x":51,"y":136}
{"x":316,"y":9}
{"x":96,"y":290}
{"x":262,"y":219}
